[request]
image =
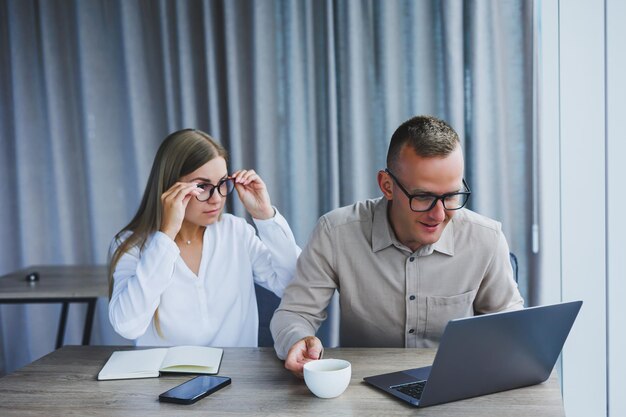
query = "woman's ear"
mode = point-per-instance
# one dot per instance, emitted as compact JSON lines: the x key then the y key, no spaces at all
{"x":385,"y":183}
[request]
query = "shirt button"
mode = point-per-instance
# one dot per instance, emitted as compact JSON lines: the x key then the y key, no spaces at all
{"x":412,"y":331}
{"x":412,"y":298}
{"x":412,"y":258}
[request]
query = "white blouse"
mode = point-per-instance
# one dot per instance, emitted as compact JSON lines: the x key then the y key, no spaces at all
{"x":216,"y":308}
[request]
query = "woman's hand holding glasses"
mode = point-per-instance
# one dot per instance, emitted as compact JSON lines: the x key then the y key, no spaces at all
{"x":174,"y":202}
{"x":253,"y":194}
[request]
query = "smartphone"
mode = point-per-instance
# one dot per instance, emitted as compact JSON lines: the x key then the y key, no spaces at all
{"x":195,"y":389}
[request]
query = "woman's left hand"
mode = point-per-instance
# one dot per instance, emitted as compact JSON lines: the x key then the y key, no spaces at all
{"x":253,"y":194}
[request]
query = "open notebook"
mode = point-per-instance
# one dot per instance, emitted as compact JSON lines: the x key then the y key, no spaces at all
{"x":149,"y":363}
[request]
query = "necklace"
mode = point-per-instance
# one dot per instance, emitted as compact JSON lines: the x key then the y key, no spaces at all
{"x":187,"y":242}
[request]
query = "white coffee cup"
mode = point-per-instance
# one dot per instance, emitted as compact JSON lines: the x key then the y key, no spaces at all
{"x":327,"y":378}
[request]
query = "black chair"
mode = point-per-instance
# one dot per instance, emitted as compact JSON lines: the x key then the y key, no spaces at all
{"x":267,"y":302}
{"x":514,"y":265}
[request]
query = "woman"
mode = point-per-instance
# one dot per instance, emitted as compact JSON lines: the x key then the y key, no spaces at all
{"x":183,"y":273}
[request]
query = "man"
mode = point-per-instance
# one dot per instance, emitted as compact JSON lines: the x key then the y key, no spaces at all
{"x":403,"y":264}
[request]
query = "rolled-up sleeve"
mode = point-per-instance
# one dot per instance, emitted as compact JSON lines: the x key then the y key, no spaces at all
{"x":303,"y":307}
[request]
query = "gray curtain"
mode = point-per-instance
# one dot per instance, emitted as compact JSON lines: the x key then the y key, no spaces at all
{"x":307,"y":93}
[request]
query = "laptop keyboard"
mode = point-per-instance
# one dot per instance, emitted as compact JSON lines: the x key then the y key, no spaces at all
{"x":413,"y":389}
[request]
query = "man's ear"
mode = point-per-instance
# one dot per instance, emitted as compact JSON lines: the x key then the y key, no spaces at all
{"x":385,"y":183}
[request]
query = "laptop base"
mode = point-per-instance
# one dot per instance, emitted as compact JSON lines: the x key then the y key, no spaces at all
{"x":389,"y":382}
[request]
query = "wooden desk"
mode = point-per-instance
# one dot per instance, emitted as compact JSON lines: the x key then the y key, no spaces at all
{"x":58,"y":284}
{"x":64,"y":383}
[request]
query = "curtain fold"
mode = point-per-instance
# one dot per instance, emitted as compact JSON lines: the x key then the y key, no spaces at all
{"x":307,"y":93}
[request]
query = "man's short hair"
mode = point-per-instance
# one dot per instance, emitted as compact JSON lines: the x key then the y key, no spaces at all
{"x":426,"y":135}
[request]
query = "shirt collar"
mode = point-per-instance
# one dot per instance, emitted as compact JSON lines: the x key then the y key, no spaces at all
{"x":445,"y":244}
{"x":381,"y":229}
{"x":383,"y":235}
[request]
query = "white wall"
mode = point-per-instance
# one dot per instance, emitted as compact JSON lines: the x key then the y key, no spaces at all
{"x":581,"y":104}
{"x":616,"y":204}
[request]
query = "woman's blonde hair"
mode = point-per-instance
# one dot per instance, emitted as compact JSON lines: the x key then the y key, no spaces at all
{"x":181,"y":153}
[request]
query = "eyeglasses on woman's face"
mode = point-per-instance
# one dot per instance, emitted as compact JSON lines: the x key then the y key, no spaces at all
{"x":224,"y":187}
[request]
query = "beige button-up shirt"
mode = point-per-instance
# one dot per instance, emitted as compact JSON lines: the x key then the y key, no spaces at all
{"x":389,"y":295}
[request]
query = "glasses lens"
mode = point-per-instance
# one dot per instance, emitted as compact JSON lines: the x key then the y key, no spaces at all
{"x":427,"y":202}
{"x":226,"y":187}
{"x":422,"y":202}
{"x":455,"y":201}
{"x":206,"y":193}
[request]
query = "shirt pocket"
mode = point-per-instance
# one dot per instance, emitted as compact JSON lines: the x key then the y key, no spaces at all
{"x":440,"y":310}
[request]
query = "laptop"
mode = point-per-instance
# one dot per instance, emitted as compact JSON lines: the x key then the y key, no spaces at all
{"x":485,"y":354}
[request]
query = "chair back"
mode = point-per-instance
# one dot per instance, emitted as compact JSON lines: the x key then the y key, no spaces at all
{"x":514,"y":265}
{"x":267,"y":302}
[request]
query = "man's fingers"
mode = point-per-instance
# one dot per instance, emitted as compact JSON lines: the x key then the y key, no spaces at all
{"x":297,"y":357}
{"x":296,"y":367}
{"x":305,"y":350}
{"x":313,"y":347}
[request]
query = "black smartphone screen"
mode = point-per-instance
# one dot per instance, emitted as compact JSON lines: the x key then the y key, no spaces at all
{"x":191,"y":391}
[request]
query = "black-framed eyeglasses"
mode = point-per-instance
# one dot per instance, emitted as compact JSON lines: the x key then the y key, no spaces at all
{"x":224,"y":187}
{"x":426,"y":201}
